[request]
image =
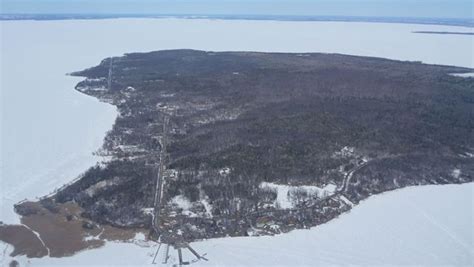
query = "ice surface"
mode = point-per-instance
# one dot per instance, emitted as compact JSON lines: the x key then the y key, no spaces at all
{"x":48,"y":130}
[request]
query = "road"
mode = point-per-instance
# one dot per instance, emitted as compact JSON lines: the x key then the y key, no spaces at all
{"x":160,"y":182}
{"x":349,"y":176}
{"x":159,"y":178}
{"x":109,"y":78}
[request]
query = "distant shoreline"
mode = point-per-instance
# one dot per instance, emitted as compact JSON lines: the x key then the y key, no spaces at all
{"x":467,"y":22}
{"x":437,"y":32}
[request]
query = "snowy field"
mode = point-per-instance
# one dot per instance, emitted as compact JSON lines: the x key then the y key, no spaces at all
{"x":48,"y":130}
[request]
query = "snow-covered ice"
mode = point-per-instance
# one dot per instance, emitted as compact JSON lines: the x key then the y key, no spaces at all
{"x":48,"y":130}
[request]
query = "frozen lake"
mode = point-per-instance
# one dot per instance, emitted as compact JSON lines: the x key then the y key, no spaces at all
{"x":49,"y":131}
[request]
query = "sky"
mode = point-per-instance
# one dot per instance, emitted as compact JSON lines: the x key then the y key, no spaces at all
{"x":373,"y":8}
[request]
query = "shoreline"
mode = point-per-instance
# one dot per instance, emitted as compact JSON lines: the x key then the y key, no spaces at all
{"x":67,"y":170}
{"x":138,"y":244}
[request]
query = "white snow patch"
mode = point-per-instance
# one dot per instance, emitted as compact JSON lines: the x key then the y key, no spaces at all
{"x":141,"y":240}
{"x":207,"y":207}
{"x":467,"y":155}
{"x":171,"y":173}
{"x":148,"y":210}
{"x":95,"y":79}
{"x":456,"y":173}
{"x":168,"y":95}
{"x":287,"y":194}
{"x":189,"y":213}
{"x":140,"y":236}
{"x":91,"y":237}
{"x":184,"y":204}
{"x":224,"y":171}
{"x":130,"y":148}
{"x":345,"y":152}
{"x":395,"y":182}
{"x":464,"y":75}
{"x":347,"y":201}
{"x":93,"y":88}
{"x":92,"y":190}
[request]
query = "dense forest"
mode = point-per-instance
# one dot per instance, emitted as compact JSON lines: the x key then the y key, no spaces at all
{"x":262,"y":143}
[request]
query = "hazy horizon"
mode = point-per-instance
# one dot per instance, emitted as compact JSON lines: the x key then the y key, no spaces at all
{"x":457,"y":9}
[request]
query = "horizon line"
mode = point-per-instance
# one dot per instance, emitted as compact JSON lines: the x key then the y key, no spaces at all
{"x":224,"y":14}
{"x":459,"y":22}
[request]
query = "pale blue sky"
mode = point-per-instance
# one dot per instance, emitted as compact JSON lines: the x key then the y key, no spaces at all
{"x":391,"y":8}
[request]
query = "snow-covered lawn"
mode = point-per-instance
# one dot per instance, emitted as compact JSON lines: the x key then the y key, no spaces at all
{"x":287,"y":195}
